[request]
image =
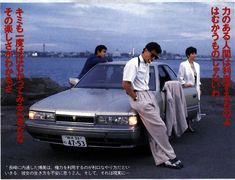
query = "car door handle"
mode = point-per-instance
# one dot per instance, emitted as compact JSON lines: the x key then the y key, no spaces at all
{"x":195,"y":95}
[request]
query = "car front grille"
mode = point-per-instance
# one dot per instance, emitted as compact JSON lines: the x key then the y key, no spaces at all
{"x":68,"y":118}
{"x":91,"y":142}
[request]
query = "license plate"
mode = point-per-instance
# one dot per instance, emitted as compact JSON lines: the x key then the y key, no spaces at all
{"x":77,"y":141}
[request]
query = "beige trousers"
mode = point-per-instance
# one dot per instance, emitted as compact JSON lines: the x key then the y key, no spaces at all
{"x":148,"y":109}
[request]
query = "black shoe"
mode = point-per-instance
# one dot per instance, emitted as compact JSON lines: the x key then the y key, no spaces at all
{"x":190,"y":130}
{"x":173,"y":163}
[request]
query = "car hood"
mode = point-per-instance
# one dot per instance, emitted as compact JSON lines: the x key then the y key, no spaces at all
{"x":79,"y":101}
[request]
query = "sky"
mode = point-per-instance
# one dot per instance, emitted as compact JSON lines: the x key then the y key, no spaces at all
{"x":77,"y":27}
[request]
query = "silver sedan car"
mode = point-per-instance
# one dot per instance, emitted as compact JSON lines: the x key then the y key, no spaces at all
{"x":96,"y":111}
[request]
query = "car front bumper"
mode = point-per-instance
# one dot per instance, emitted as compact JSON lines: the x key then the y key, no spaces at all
{"x":95,"y":135}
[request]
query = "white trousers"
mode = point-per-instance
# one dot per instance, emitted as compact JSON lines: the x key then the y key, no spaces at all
{"x":148,"y":110}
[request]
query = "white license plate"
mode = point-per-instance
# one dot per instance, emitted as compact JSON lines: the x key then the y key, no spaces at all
{"x":78,"y":141}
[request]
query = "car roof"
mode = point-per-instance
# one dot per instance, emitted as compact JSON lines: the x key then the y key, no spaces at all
{"x":124,"y":62}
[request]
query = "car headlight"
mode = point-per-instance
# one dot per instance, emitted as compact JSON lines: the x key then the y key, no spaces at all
{"x":132,"y":120}
{"x":118,"y":120}
{"x":41,"y":115}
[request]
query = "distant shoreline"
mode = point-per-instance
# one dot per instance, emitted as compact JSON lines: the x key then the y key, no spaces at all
{"x":86,"y":54}
{"x":123,"y":57}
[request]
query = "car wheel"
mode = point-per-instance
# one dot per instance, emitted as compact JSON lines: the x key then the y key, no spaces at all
{"x":144,"y":149}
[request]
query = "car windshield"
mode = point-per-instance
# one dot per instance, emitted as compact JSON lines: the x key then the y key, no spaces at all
{"x":108,"y":76}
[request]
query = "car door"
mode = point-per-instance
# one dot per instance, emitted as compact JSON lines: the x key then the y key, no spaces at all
{"x":167,"y":74}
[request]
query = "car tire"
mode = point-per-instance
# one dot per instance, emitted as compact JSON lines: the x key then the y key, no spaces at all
{"x":144,"y":149}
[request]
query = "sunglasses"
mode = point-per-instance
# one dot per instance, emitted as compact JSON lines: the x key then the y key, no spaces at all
{"x":154,"y":56}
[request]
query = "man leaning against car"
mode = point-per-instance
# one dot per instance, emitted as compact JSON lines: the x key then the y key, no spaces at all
{"x":135,"y":82}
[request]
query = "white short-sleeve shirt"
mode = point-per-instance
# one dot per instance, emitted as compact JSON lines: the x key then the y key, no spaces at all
{"x":137,"y":75}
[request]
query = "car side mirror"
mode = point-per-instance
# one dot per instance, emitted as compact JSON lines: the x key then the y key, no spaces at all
{"x":73,"y":81}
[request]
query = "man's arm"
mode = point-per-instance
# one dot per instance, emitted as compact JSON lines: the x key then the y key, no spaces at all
{"x":110,"y":59}
{"x":129,"y":89}
{"x":84,"y":69}
{"x":90,"y":63}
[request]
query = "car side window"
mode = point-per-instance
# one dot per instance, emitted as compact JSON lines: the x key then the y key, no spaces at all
{"x":170,"y":72}
{"x":152,"y":80}
{"x":163,"y":76}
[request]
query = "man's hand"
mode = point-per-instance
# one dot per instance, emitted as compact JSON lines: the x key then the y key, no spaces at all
{"x":129,"y":89}
{"x":188,"y":85}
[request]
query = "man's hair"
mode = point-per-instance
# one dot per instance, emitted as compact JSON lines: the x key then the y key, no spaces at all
{"x":100,"y":48}
{"x":190,"y":50}
{"x":153,"y":47}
